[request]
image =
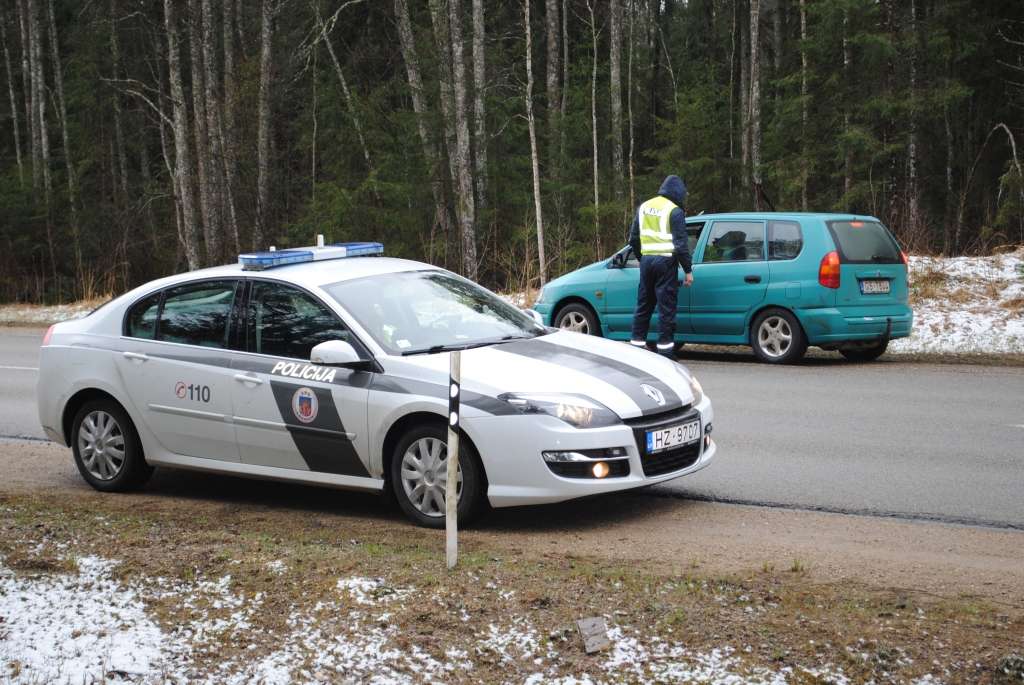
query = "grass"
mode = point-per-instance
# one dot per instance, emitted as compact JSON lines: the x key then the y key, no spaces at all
{"x":296,"y":557}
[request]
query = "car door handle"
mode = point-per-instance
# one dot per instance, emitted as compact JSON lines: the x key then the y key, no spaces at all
{"x":246,"y":378}
{"x":136,"y":356}
{"x":752,"y":279}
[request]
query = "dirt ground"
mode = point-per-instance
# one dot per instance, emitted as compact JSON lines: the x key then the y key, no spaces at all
{"x":882,"y":600}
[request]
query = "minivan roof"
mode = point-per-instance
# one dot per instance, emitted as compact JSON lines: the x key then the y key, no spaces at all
{"x":825,"y":216}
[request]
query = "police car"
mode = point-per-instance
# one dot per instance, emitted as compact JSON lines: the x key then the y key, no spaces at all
{"x":330,"y":365}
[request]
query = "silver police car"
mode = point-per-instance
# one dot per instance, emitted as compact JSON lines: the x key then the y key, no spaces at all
{"x":329,"y":365}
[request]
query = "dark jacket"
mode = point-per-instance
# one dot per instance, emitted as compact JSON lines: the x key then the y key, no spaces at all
{"x":672,"y":188}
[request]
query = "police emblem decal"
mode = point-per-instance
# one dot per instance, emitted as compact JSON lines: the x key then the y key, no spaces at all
{"x":653,"y":393}
{"x":305,"y":405}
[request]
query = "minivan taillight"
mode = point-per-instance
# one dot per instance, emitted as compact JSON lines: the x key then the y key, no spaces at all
{"x":828,"y":271}
{"x":49,"y":334}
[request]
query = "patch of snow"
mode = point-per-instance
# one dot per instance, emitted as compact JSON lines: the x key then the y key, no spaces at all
{"x":276,"y":566}
{"x":973,"y":311}
{"x":75,"y":628}
{"x":44,"y":314}
{"x":370,"y":591}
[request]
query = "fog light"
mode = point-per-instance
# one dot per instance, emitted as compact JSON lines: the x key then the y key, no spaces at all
{"x":600,"y":469}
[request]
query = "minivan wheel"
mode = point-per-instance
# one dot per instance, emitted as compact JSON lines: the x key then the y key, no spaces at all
{"x":578,"y":318}
{"x":777,"y":337}
{"x":864,"y":354}
{"x":107,"y":448}
{"x":419,"y":476}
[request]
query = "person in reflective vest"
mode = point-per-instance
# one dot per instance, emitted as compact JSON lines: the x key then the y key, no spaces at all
{"x":658,"y":238}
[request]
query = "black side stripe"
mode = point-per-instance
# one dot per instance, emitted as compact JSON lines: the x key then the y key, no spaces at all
{"x":322,"y":443}
{"x":624,"y":377}
{"x":408,"y":386}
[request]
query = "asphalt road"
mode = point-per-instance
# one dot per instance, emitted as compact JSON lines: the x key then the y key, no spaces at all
{"x":936,"y":442}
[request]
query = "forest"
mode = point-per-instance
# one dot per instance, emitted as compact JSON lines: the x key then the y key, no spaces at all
{"x":506,"y":140}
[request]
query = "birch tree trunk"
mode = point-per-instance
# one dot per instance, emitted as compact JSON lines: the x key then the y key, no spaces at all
{"x":29,"y":91}
{"x":732,"y":89}
{"x":804,"y":170}
{"x":755,"y":101}
{"x":439,"y":20}
{"x":229,"y":136}
{"x":463,"y":163}
{"x":534,"y":155}
{"x":553,"y":66}
{"x":593,"y":129}
{"x":214,"y":126}
{"x":629,"y":109}
{"x":14,"y":103}
{"x":62,"y":111}
{"x":188,"y":235}
{"x":847,"y":159}
{"x":912,"y":199}
{"x":615,"y":74}
{"x":407,"y":43}
{"x":209,"y":175}
{"x":263,"y":123}
{"x":744,"y":103}
{"x":39,"y":99}
{"x":479,"y":106}
{"x":120,"y":157}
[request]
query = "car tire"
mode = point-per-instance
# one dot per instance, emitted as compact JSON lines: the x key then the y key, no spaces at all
{"x":428,"y":442}
{"x":777,"y":337}
{"x":107,"y":449}
{"x":578,"y":318}
{"x":864,"y":354}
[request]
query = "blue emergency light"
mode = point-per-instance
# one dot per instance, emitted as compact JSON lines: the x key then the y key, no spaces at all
{"x":258,"y":261}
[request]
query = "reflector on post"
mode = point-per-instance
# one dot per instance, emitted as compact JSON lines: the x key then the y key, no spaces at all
{"x":451,"y":492}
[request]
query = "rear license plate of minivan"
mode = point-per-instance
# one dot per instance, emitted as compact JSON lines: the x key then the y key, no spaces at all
{"x":875,"y":286}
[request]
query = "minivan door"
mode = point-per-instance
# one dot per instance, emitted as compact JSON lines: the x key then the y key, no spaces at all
{"x":730,"y":278}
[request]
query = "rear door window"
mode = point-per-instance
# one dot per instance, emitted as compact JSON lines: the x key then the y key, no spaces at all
{"x":784,"y":240}
{"x":141,"y":320}
{"x":864,"y":242}
{"x":735,"y":241}
{"x":693,"y":235}
{"x":198,"y":313}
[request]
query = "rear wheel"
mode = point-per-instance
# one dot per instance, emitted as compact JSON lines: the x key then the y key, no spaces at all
{"x":777,"y":337}
{"x":578,"y":318}
{"x":107,"y":448}
{"x":864,"y":354}
{"x":419,"y":477}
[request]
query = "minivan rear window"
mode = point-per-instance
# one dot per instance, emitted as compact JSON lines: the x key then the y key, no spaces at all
{"x":864,"y":242}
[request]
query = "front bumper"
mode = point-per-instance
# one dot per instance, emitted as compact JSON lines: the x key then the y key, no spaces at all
{"x":545,"y":309}
{"x":511,"y":450}
{"x":831,"y":325}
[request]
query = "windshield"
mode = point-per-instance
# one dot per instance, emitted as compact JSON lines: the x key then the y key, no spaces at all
{"x":412,"y":312}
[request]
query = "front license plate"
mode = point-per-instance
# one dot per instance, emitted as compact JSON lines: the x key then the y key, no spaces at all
{"x":874,"y":287}
{"x":673,"y":436}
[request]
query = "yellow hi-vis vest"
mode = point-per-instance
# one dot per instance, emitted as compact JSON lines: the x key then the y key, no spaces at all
{"x":655,"y":227}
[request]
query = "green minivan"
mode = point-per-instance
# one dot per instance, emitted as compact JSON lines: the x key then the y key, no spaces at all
{"x":778,"y":282}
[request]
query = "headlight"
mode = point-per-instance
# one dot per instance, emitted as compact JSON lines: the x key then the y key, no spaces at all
{"x":695,"y":386}
{"x":576,"y":410}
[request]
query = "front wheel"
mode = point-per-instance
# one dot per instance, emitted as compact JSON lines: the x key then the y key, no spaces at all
{"x":578,"y":318}
{"x":419,"y":477}
{"x":777,"y":337}
{"x":865,"y":354}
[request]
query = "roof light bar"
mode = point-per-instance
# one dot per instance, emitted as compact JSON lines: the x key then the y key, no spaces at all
{"x":258,"y":261}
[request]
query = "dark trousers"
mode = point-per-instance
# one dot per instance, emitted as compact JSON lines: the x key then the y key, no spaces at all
{"x":659,"y":283}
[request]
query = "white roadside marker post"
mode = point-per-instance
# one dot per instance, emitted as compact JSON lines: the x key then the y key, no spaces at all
{"x":451,"y":501}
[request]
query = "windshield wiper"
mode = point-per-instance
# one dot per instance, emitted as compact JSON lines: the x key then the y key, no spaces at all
{"x":435,"y":349}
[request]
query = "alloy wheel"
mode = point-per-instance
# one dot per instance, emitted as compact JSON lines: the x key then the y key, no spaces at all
{"x":574,"y":321}
{"x":101,"y":445}
{"x":425,"y":475}
{"x":775,"y":336}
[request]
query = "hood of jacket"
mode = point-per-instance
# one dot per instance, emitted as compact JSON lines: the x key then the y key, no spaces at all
{"x":674,"y":189}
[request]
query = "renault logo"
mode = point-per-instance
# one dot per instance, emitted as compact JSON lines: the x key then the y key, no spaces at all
{"x":653,"y":393}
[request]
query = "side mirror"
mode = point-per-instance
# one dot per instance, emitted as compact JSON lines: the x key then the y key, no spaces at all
{"x":338,"y":353}
{"x":535,"y":315}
